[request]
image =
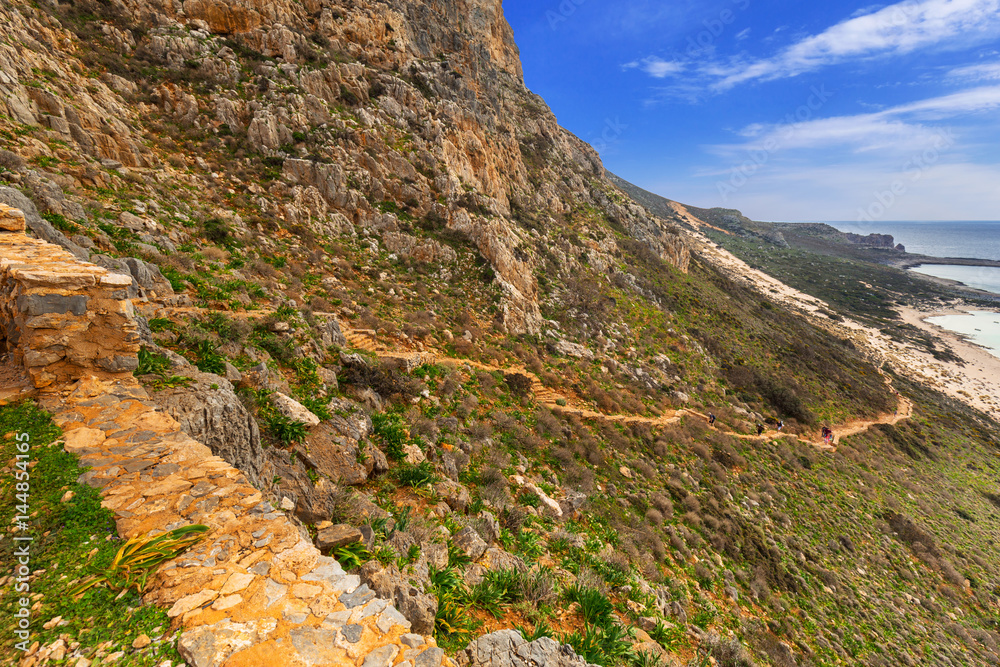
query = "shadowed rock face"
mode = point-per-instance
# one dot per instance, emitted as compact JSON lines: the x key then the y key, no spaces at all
{"x":209,"y":411}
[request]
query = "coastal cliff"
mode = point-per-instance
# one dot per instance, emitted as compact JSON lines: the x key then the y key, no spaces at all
{"x":441,"y":390}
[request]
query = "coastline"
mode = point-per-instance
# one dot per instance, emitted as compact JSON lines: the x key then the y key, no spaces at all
{"x":975,"y":380}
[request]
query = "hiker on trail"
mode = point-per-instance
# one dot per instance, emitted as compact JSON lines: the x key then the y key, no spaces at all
{"x":711,"y":418}
{"x":781,"y":424}
{"x":760,"y":428}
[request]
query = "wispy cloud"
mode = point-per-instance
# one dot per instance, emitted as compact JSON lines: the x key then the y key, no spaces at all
{"x":897,"y":129}
{"x":656,"y":67}
{"x":976,"y":73}
{"x":897,"y":29}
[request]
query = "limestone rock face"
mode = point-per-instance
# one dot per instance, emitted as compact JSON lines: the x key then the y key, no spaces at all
{"x":481,"y":159}
{"x":417,"y":606}
{"x":41,"y":228}
{"x":507,"y":648}
{"x":217,"y":418}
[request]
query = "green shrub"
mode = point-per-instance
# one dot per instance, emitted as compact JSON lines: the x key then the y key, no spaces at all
{"x":61,"y":223}
{"x":159,"y":324}
{"x":453,"y":625}
{"x":498,"y":587}
{"x":541,"y":629}
{"x":608,"y":645}
{"x":317,"y":406}
{"x":285,"y":430}
{"x":207,"y":359}
{"x":352,"y":555}
{"x":177,"y":280}
{"x":218,"y":231}
{"x":668,"y":637}
{"x":389,"y":427}
{"x":595,"y":607}
{"x":151,"y":363}
{"x":416,"y":474}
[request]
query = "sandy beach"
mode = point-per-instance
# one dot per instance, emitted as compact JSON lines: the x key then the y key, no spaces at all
{"x":975,"y":381}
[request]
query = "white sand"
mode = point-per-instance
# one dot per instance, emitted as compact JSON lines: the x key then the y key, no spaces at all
{"x":976,"y":382}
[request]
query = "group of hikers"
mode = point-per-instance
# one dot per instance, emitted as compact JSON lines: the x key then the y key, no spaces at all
{"x":827,"y":432}
{"x":760,"y":427}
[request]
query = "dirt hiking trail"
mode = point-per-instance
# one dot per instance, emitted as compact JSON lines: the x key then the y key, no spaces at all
{"x":368,"y":340}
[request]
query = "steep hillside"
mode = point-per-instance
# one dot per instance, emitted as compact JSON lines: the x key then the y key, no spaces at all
{"x":380,"y":279}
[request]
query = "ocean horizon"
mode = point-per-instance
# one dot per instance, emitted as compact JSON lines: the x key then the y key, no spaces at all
{"x":973,"y":239}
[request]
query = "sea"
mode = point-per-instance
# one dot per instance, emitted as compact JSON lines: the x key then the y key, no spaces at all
{"x":971,"y":239}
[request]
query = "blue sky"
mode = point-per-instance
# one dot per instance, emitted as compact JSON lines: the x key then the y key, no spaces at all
{"x":786,"y":110}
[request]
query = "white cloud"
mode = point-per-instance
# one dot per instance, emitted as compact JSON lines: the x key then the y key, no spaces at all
{"x":984,"y":98}
{"x":898,"y":129}
{"x":897,"y":29}
{"x":977,"y":73}
{"x":948,"y":190}
{"x":656,"y":67}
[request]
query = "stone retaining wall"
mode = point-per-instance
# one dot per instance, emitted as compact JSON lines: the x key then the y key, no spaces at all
{"x":256,"y":591}
{"x":61,"y":318}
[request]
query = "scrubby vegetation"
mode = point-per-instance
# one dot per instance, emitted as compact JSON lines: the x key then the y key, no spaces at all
{"x":561,"y":481}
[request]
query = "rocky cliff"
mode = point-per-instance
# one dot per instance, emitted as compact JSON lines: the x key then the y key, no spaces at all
{"x":401,"y":119}
{"x":373,"y":273}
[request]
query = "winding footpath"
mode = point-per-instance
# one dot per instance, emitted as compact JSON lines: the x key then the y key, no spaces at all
{"x":560,"y":403}
{"x":368,"y":341}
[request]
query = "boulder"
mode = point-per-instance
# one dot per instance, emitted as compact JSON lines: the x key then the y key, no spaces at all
{"x":490,"y":527}
{"x":498,"y":559}
{"x":455,"y":494}
{"x":330,"y":334}
{"x":294,"y":410}
{"x":147,"y":281}
{"x":469,"y":542}
{"x":507,"y":648}
{"x":312,"y":502}
{"x":569,"y":349}
{"x":217,"y":418}
{"x":334,"y":448}
{"x":418,"y":607}
{"x":336,"y":536}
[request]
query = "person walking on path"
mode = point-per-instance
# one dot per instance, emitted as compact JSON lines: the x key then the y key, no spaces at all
{"x":711,"y":419}
{"x":781,"y":424}
{"x":760,"y":429}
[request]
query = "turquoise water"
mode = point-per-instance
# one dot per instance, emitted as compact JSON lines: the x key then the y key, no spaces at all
{"x":981,"y":326}
{"x":981,"y":277}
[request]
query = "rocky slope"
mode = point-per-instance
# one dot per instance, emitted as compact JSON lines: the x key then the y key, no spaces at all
{"x":382,"y":281}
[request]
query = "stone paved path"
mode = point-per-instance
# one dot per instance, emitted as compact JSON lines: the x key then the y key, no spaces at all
{"x":256,"y":591}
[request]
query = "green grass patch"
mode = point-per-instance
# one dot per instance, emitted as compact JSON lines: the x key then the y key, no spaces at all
{"x":69,"y":538}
